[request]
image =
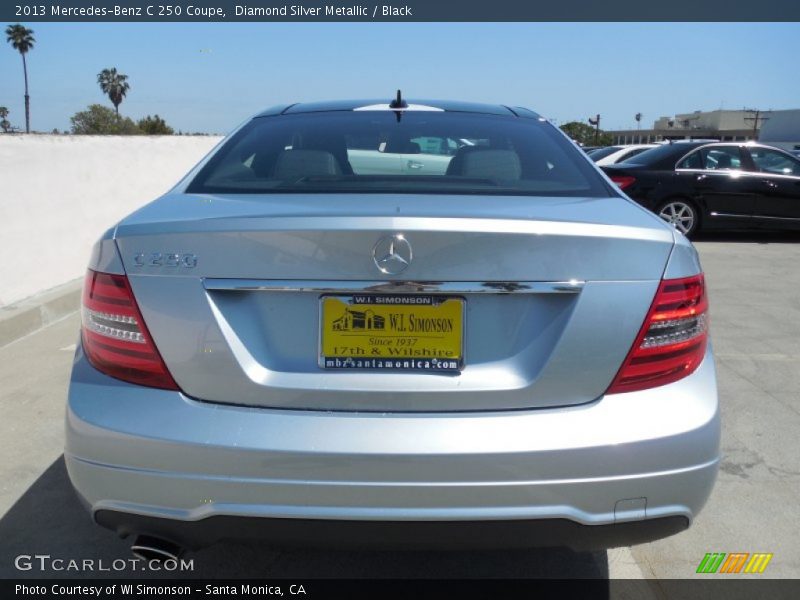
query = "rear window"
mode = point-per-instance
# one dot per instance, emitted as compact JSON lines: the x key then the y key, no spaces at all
{"x":415,"y":152}
{"x":632,"y":153}
{"x":663,"y":155}
{"x":596,"y":155}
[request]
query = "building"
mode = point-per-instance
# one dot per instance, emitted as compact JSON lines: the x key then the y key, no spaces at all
{"x":723,"y":125}
{"x":782,"y":130}
{"x":357,"y":319}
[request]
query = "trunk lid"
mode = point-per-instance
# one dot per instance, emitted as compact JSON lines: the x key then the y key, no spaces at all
{"x":554,"y":291}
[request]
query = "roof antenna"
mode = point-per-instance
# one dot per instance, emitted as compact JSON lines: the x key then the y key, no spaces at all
{"x":398,"y":103}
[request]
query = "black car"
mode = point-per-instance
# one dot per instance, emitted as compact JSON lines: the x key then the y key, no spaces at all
{"x":697,"y":185}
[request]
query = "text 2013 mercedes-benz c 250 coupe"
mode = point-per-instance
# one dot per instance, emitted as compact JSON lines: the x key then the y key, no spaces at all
{"x":405,"y":323}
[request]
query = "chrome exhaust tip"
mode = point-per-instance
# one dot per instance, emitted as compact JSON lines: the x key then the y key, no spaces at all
{"x":150,"y":548}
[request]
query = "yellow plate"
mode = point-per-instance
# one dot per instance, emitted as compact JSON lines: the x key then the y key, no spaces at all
{"x":402,"y":332}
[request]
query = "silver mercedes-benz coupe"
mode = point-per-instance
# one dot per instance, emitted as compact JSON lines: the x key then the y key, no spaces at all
{"x":404,"y":323}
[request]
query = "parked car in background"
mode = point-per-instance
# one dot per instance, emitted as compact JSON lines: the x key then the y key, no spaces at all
{"x":695,"y":185}
{"x":615,"y":154}
{"x":307,"y":339}
{"x":423,"y":155}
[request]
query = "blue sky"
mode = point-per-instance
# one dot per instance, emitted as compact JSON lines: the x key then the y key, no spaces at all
{"x":209,"y":77}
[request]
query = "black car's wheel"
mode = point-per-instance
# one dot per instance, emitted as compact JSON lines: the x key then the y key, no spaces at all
{"x":681,"y":214}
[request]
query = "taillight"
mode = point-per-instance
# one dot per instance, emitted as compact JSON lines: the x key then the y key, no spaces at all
{"x":623,"y":181}
{"x":115,"y":338}
{"x":672,"y":341}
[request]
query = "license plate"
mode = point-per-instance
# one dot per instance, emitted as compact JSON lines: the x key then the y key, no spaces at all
{"x":392,"y":332}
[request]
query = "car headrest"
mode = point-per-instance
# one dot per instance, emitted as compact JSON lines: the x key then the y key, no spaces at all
{"x":488,"y":163}
{"x":294,"y":164}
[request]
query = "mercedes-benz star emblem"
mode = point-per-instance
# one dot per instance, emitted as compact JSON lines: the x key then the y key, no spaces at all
{"x":392,"y":254}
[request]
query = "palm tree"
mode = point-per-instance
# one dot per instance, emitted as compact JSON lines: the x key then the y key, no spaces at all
{"x":21,"y":38}
{"x":114,"y":85}
{"x":4,"y":124}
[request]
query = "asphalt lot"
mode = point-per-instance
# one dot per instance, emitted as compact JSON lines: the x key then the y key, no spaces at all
{"x":754,"y":286}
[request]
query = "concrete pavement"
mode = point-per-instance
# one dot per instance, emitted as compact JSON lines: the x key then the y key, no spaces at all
{"x":754,"y":291}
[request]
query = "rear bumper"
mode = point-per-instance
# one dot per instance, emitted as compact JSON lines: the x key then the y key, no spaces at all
{"x":439,"y":535}
{"x":624,"y":469}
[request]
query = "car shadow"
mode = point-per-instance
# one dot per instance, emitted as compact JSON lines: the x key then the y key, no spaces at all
{"x":752,"y":236}
{"x":50,"y":520}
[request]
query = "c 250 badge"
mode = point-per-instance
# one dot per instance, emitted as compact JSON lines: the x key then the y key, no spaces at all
{"x":165,"y":259}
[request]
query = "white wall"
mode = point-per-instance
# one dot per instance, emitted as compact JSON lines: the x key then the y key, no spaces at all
{"x":58,"y":194}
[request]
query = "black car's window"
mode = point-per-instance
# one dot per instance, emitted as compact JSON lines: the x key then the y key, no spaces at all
{"x":772,"y":161}
{"x":721,"y":158}
{"x":421,"y":152}
{"x":693,"y":161}
{"x":631,"y":154}
{"x":715,"y":158}
{"x":596,"y":155}
{"x":663,"y":156}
